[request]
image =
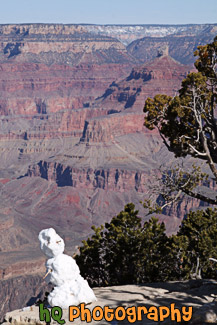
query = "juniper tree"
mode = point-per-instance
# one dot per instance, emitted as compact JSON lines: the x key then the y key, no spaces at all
{"x":90,"y":259}
{"x":187,"y":125}
{"x":129,"y":251}
{"x":125,"y":251}
{"x":198,"y":240}
{"x":192,"y":246}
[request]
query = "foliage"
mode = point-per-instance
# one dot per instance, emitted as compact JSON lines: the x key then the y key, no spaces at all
{"x":187,"y":122}
{"x":198,"y":239}
{"x":122,"y":244}
{"x":125,"y":251}
{"x":91,"y":258}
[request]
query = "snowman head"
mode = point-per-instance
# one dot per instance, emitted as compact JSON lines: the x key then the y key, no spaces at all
{"x":51,"y":243}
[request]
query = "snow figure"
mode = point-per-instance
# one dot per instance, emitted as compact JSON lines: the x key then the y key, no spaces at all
{"x":62,"y":271}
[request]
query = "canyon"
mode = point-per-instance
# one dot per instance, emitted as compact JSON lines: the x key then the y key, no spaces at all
{"x":73,"y":146}
{"x":186,"y":41}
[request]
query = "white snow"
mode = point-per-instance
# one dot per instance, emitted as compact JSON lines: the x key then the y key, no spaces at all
{"x":63,"y":272}
{"x":26,"y":308}
{"x":51,"y":243}
{"x":135,"y":31}
{"x":63,"y":267}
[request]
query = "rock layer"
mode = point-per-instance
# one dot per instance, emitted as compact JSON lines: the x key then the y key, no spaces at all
{"x":46,"y":68}
{"x":21,"y":291}
{"x":181,"y":45}
{"x":161,"y":75}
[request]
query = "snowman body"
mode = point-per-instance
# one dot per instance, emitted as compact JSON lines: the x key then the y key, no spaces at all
{"x":70,"y":287}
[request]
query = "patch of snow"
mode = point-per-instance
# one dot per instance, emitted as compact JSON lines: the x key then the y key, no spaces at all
{"x":26,"y":308}
{"x":134,"y":31}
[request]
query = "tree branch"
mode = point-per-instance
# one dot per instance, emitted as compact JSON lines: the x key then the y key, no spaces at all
{"x":197,"y":152}
{"x":200,"y":196}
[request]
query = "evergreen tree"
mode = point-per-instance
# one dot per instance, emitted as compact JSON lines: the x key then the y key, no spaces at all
{"x":187,"y":125}
{"x":90,"y":259}
{"x":122,"y":246}
{"x":198,"y":239}
{"x":154,"y":251}
{"x":125,"y":251}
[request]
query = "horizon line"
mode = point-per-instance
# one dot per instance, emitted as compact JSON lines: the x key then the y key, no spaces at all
{"x":115,"y":24}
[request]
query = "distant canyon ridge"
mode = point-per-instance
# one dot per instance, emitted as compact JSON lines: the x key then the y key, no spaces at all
{"x":73,"y":146}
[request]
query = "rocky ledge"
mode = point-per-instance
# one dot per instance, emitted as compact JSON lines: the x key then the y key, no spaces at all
{"x":198,"y":294}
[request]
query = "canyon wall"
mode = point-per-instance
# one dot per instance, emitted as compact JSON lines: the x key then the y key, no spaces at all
{"x":181,"y":45}
{"x":21,"y":291}
{"x":162,"y":75}
{"x":47,"y":68}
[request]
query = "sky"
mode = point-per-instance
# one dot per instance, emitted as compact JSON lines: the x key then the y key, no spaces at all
{"x":108,"y":11}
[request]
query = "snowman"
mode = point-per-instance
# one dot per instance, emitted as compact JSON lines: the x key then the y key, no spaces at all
{"x":70,"y":287}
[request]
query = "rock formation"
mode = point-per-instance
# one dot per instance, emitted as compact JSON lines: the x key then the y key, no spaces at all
{"x":181,"y":45}
{"x":21,"y":291}
{"x":47,"y":68}
{"x":129,"y":33}
{"x":161,"y":75}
